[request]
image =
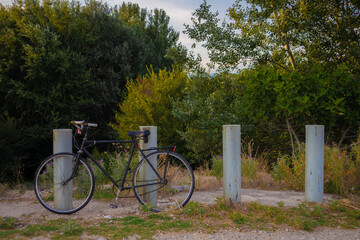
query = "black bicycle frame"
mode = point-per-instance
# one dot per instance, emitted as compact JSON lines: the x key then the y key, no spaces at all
{"x":83,"y":150}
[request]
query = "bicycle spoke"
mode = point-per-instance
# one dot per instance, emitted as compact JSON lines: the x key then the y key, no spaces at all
{"x":53,"y":194}
{"x":173,"y":191}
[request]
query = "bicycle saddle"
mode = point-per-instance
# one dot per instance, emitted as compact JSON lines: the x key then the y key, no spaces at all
{"x":143,"y":133}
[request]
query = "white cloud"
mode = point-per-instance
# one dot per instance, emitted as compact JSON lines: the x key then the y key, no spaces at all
{"x":179,"y":13}
{"x":6,"y":2}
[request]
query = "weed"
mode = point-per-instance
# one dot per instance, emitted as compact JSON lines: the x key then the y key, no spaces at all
{"x":308,"y":225}
{"x":239,"y":218}
{"x":249,"y":166}
{"x":222,"y":204}
{"x":280,"y":204}
{"x":3,"y":188}
{"x":341,"y":169}
{"x":217,"y":166}
{"x":71,"y":228}
{"x":291,"y":169}
{"x":8,"y":222}
{"x":130,"y":220}
{"x":176,"y":225}
{"x":159,"y":217}
{"x":7,"y":233}
{"x":305,"y":216}
{"x":147,"y":207}
{"x":194,"y":209}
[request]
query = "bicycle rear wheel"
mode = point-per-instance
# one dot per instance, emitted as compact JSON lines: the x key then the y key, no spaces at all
{"x":57,"y":196}
{"x":175,"y":187}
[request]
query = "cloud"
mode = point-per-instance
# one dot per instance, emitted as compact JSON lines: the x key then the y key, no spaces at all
{"x":6,"y":2}
{"x":176,"y":10}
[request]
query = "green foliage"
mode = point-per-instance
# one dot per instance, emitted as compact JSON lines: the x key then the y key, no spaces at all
{"x":300,"y":74}
{"x":147,"y":207}
{"x":115,"y":164}
{"x":13,"y":153}
{"x":194,"y":209}
{"x":72,"y":228}
{"x":8,"y":222}
{"x":150,"y":102}
{"x":287,"y":34}
{"x":209,"y":103}
{"x":304,"y":216}
{"x":290,"y":100}
{"x":217,"y":166}
{"x":61,"y":60}
{"x":238,"y":218}
{"x":290,"y":170}
{"x":249,"y":167}
{"x":340,"y":170}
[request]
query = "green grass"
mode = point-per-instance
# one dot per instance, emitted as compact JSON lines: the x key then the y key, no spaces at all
{"x":194,"y":217}
{"x":8,"y":222}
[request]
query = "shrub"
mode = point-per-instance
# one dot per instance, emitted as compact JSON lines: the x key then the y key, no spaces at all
{"x":249,"y":167}
{"x":291,"y":169}
{"x":150,"y":102}
{"x":341,"y":169}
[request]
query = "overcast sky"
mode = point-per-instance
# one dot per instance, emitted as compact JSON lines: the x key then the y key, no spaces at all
{"x":179,"y":12}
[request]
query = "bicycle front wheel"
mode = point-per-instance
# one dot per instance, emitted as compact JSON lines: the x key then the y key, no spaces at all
{"x":59,"y":196}
{"x":171,"y":188}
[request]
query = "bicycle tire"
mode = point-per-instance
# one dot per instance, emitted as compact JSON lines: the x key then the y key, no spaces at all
{"x":48,"y":178}
{"x":174,"y":192}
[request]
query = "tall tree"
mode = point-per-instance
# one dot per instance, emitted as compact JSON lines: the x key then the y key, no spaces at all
{"x":283,"y":33}
{"x":295,"y":38}
{"x":61,"y":60}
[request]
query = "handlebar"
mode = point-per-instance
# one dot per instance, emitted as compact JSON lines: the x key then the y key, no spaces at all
{"x":81,"y":124}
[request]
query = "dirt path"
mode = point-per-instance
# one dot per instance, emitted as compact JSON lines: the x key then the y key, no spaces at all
{"x":25,"y":207}
{"x":286,"y":234}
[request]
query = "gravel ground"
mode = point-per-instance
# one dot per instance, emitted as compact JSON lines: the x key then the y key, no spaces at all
{"x":25,"y":207}
{"x":286,"y":234}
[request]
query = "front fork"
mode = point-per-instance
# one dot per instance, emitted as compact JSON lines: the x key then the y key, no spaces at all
{"x":77,"y":163}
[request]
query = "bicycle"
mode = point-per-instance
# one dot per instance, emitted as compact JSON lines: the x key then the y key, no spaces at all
{"x":162,"y":172}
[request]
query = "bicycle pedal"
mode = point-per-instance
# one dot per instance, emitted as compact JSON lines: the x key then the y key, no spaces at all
{"x":113,"y":205}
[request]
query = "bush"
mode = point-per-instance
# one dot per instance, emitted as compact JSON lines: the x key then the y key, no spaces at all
{"x":249,"y":167}
{"x":150,"y":102}
{"x":208,"y":103}
{"x":12,"y":150}
{"x":341,"y":170}
{"x":291,"y":170}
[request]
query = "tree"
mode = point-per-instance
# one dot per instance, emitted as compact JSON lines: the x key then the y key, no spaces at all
{"x":208,"y":103}
{"x":283,"y":33}
{"x":150,"y":102}
{"x":319,"y":96}
{"x":61,"y":60}
{"x":293,"y":37}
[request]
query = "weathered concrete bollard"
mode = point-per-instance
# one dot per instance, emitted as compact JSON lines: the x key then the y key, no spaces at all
{"x":146,"y":172}
{"x":62,"y":142}
{"x":314,"y":163}
{"x":232,"y":162}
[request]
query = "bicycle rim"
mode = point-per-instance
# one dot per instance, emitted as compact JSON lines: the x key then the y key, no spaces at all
{"x":174,"y":191}
{"x":62,"y":198}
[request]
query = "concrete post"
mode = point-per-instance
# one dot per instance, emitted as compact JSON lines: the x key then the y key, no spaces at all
{"x":62,"y":142}
{"x":232,"y":162}
{"x":146,"y":172}
{"x":314,"y":163}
